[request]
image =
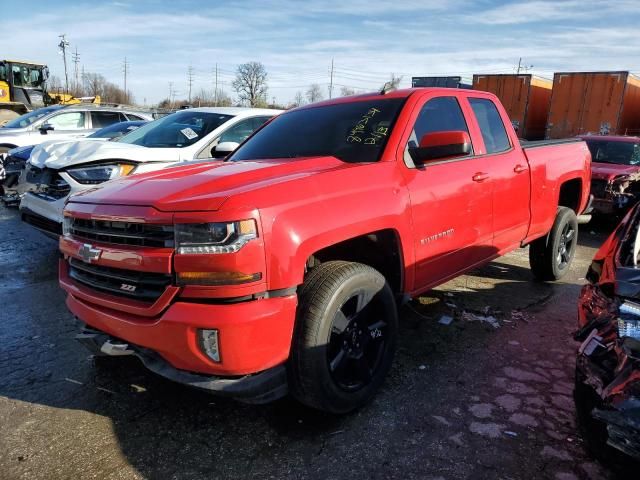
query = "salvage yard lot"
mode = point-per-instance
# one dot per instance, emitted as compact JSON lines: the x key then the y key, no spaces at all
{"x":464,"y":400}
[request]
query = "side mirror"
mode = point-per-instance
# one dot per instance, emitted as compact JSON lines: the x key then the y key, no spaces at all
{"x":223,"y":149}
{"x":441,"y":146}
{"x":47,"y":127}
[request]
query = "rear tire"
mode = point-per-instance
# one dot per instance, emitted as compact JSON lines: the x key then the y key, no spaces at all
{"x":550,"y":256}
{"x":346,"y":328}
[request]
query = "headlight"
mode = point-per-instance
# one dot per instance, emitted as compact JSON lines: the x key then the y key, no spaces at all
{"x":620,"y":183}
{"x":66,"y":226}
{"x":198,"y":238}
{"x":100,"y":173}
{"x":629,"y":321}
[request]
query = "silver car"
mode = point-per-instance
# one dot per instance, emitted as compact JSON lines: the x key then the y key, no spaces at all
{"x":63,"y":123}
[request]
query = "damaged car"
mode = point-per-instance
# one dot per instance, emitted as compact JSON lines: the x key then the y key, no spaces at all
{"x":607,"y":390}
{"x":615,"y":173}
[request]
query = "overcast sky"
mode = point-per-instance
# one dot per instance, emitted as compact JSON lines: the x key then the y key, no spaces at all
{"x":296,"y":40}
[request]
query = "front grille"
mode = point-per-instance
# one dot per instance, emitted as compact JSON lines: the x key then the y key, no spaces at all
{"x":143,"y":286}
{"x":49,"y":184}
{"x":598,"y":188}
{"x":123,"y":233}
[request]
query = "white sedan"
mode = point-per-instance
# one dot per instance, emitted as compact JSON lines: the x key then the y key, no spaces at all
{"x":56,"y":171}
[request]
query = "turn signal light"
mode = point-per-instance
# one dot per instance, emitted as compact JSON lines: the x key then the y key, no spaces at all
{"x":216,"y":278}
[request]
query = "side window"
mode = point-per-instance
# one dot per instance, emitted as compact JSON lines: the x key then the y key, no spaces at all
{"x":441,"y":114}
{"x":67,"y":121}
{"x":240,"y":131}
{"x":494,"y":134}
{"x":133,"y":117}
{"x":104,"y":119}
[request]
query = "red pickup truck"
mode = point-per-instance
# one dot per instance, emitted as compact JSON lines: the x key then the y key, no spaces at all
{"x":280,"y":268}
{"x":615,"y":173}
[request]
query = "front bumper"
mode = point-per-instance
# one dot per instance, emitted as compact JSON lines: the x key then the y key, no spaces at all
{"x":263,"y":387}
{"x":254,"y":335}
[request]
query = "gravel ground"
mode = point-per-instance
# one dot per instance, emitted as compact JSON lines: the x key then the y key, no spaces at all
{"x":487,"y":395}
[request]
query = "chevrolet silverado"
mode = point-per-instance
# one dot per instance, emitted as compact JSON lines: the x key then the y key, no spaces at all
{"x":280,"y":269}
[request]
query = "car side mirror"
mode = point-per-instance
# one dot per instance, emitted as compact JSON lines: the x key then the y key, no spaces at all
{"x":223,"y":149}
{"x":47,"y":127}
{"x":441,"y":146}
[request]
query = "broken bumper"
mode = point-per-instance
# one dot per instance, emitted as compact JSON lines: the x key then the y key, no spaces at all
{"x":259,"y":388}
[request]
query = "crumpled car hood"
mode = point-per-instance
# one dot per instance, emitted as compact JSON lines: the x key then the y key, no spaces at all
{"x":60,"y":155}
{"x":608,"y":171}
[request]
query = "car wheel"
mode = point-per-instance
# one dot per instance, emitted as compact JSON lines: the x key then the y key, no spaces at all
{"x":346,"y":328}
{"x":550,"y":256}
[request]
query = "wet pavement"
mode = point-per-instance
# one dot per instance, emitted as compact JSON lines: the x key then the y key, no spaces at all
{"x":484,"y":394}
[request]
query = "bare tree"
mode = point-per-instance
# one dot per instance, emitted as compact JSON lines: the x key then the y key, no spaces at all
{"x":393,"y":83}
{"x":298,"y":100}
{"x":251,"y":83}
{"x":347,"y":91}
{"x":314,"y":94}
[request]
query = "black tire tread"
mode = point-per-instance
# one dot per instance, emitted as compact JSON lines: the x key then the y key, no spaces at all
{"x":541,"y":250}
{"x":313,"y":296}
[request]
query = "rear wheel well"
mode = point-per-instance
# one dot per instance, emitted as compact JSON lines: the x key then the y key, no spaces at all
{"x":571,"y":194}
{"x":380,"y":250}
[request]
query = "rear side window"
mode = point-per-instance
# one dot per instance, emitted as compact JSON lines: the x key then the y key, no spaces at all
{"x":491,"y":125}
{"x":104,"y":119}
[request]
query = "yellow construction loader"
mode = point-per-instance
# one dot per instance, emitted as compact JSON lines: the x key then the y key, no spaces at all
{"x":23,"y":88}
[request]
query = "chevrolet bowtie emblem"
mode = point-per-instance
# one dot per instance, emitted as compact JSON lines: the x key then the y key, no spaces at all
{"x":88,"y":253}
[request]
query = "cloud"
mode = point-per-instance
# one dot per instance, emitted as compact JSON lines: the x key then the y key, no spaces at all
{"x":297,"y":40}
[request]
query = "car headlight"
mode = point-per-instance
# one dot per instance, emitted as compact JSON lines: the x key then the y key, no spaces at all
{"x":620,"y":183}
{"x":100,"y":173}
{"x":219,"y":237}
{"x":629,"y":320}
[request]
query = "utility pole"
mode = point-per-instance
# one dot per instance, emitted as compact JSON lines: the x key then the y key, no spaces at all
{"x":170,"y":94}
{"x":190,"y":80}
{"x":215,"y":90}
{"x":76,"y":61}
{"x":331,"y":80}
{"x":125,"y":69}
{"x":63,"y":46}
{"x":526,"y":68}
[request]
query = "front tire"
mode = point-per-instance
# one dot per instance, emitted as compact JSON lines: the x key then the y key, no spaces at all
{"x":550,"y":256}
{"x":346,"y":329}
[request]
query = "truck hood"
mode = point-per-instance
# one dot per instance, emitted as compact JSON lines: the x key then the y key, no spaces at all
{"x":203,"y":186}
{"x":59,"y":155}
{"x":608,"y":171}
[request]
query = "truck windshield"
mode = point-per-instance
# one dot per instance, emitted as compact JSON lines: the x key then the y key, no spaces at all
{"x":609,"y":151}
{"x":353,"y":132}
{"x":28,"y":118}
{"x":177,"y":130}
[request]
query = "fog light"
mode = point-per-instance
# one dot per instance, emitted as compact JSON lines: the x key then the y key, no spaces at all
{"x":208,"y":340}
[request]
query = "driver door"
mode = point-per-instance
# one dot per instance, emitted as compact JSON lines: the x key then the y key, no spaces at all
{"x":451,"y":204}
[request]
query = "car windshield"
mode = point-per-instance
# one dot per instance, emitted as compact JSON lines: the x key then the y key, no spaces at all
{"x":28,"y":118}
{"x":356,"y":131}
{"x":116,"y":130}
{"x":609,"y":151}
{"x":177,"y":130}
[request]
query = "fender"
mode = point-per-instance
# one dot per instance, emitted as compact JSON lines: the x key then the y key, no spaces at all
{"x":366,"y":200}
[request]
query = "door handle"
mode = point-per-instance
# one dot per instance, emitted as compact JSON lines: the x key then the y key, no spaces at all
{"x":519,"y":168}
{"x":480,"y":177}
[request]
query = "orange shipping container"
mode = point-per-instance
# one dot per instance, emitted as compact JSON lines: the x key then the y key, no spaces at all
{"x":594,"y":102}
{"x":525,"y":97}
